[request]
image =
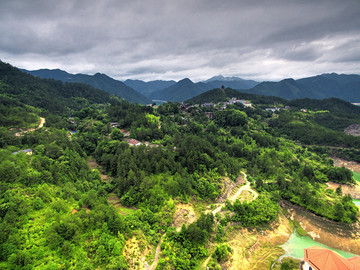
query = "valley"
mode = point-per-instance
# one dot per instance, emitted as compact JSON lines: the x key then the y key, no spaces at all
{"x":219,"y":182}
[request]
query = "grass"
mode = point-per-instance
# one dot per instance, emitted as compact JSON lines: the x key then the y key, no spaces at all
{"x":299,"y":229}
{"x":356,"y":176}
{"x":288,"y":264}
{"x":115,"y":201}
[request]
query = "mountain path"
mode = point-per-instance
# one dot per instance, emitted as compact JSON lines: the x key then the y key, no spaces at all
{"x":41,"y":124}
{"x":237,"y":195}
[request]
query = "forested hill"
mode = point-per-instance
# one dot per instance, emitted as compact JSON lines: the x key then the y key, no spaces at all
{"x":98,"y":80}
{"x":49,"y":94}
{"x":346,"y":87}
{"x":180,"y":91}
{"x":222,"y":95}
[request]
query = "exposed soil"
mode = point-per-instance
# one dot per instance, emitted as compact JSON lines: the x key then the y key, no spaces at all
{"x":254,"y":249}
{"x":351,"y":165}
{"x":22,"y":131}
{"x":135,"y":251}
{"x":353,"y":190}
{"x":342,"y":236}
{"x":229,"y":187}
{"x":353,"y":130}
{"x":243,"y":193}
{"x":184,"y":214}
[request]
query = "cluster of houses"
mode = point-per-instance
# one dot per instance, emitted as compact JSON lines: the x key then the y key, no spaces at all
{"x":217,"y":106}
{"x":186,"y":106}
{"x":230,"y":102}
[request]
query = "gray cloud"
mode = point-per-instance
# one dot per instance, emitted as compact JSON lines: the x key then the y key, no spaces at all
{"x":163,"y":39}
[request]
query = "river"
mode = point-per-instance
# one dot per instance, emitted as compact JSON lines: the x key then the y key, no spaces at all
{"x":294,"y":247}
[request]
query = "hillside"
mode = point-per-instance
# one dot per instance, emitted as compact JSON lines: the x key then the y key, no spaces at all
{"x":98,"y":80}
{"x":221,"y":95}
{"x":52,"y":95}
{"x":180,"y":91}
{"x":346,"y":87}
{"x":125,"y":186}
{"x":146,"y":88}
{"x":229,"y":82}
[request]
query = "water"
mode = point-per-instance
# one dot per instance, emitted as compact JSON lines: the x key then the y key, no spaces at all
{"x":294,"y":247}
{"x":356,"y":202}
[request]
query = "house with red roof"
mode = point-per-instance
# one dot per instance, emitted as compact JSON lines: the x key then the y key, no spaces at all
{"x":133,"y":142}
{"x":319,"y":258}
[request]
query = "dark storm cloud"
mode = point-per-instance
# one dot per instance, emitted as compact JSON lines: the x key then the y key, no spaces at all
{"x":185,"y":38}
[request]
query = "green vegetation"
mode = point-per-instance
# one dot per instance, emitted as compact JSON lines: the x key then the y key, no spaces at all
{"x":356,"y":176}
{"x":55,"y":212}
{"x":323,"y":122}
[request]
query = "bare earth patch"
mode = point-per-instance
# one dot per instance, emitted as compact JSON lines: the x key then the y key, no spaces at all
{"x":229,"y":187}
{"x":22,"y":131}
{"x":254,"y":249}
{"x":351,"y":165}
{"x":353,"y":130}
{"x":184,"y":214}
{"x":136,"y":249}
{"x":353,"y":190}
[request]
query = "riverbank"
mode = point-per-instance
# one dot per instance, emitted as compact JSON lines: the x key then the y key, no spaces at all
{"x":337,"y":235}
{"x":258,"y":248}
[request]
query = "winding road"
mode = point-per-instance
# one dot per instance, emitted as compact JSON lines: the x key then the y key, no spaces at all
{"x":237,"y":195}
{"x":41,"y":124}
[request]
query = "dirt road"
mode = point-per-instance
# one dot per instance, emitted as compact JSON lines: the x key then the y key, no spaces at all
{"x":41,"y":124}
{"x":237,"y":195}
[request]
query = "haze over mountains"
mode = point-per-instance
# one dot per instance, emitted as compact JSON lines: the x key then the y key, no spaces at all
{"x":346,"y":87}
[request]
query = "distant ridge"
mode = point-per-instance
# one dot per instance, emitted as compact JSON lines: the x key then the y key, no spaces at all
{"x":146,"y":88}
{"x":342,"y":86}
{"x":222,"y":95}
{"x":345,"y":87}
{"x":182,"y":90}
{"x":98,"y":80}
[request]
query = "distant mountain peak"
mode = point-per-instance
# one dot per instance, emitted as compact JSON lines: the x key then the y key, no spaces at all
{"x":185,"y":80}
{"x":222,"y":78}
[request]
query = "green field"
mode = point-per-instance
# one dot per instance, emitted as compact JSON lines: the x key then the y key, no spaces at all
{"x":356,"y":176}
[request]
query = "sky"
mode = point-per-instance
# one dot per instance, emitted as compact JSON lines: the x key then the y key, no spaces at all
{"x":174,"y":39}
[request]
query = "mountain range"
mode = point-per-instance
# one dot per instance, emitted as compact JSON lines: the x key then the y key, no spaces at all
{"x":98,"y":80}
{"x":342,"y":86}
{"x":345,"y":87}
{"x":138,"y":91}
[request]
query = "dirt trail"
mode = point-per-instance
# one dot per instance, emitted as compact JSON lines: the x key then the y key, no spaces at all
{"x":237,"y":195}
{"x":157,"y":254}
{"x":41,"y":124}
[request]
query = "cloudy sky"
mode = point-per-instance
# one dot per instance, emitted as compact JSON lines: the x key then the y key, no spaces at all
{"x":174,"y":39}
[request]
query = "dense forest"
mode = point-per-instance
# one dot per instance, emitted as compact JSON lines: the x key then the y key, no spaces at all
{"x":55,"y":211}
